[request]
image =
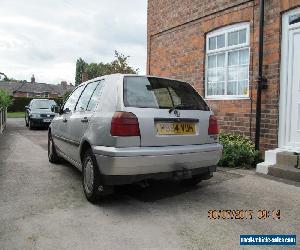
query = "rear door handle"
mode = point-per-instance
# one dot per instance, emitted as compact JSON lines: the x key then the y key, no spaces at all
{"x":85,"y":119}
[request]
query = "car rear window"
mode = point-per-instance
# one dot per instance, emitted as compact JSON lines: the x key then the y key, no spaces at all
{"x":153,"y":92}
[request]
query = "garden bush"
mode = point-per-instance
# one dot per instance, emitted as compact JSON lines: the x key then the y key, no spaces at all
{"x":238,"y":151}
{"x":5,"y":99}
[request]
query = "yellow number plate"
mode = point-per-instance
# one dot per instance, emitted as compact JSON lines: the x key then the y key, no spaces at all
{"x":175,"y":128}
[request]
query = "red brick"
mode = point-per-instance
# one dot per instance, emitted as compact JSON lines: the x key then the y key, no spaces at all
{"x":176,"y":49}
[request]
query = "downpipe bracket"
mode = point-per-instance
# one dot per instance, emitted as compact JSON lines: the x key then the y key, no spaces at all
{"x":264,"y":82}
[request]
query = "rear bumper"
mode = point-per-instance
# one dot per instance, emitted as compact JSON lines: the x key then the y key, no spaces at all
{"x":134,"y":161}
{"x":206,"y":172}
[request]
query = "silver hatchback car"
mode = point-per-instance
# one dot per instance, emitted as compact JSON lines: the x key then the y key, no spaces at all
{"x":121,"y":129}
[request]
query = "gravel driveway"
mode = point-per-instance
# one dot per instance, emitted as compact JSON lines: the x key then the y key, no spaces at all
{"x":42,"y":205}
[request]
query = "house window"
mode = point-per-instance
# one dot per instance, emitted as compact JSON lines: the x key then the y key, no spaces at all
{"x":227,"y":63}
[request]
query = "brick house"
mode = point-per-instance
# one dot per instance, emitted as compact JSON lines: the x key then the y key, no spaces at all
{"x":214,"y":45}
{"x":35,"y":90}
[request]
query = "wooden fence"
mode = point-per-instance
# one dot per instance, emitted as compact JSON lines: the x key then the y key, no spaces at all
{"x":3,"y":117}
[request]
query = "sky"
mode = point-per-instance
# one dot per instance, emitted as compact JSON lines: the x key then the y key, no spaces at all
{"x":45,"y":38}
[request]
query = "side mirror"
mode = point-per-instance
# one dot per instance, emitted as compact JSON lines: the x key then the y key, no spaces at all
{"x":26,"y":107}
{"x":56,"y":109}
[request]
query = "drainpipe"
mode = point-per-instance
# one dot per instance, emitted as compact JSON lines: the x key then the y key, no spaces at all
{"x":261,"y":81}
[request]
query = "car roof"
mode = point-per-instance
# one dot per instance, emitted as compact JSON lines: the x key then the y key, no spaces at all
{"x":121,"y":76}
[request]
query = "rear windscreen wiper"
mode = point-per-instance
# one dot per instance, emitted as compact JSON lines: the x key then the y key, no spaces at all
{"x":182,"y":106}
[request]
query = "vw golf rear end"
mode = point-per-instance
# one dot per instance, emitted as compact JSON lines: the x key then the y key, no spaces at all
{"x":162,"y":129}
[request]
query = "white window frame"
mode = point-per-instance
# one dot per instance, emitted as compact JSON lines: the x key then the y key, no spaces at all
{"x":226,"y":30}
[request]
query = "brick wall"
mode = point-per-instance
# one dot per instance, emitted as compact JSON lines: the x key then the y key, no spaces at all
{"x":176,"y":48}
{"x":38,"y":95}
{"x":165,"y":14}
{"x":54,"y":95}
{"x":20,"y":94}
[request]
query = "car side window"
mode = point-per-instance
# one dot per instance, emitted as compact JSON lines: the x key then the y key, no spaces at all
{"x":72,"y":100}
{"x":86,"y":96}
{"x":95,"y":96}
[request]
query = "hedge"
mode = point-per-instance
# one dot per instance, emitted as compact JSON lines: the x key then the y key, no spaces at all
{"x":19,"y":103}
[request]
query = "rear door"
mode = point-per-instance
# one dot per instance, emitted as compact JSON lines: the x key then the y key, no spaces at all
{"x":79,"y":120}
{"x":60,"y":125}
{"x":169,"y":112}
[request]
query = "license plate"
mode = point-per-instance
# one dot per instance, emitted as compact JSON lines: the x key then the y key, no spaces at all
{"x":175,"y":128}
{"x":47,"y":120}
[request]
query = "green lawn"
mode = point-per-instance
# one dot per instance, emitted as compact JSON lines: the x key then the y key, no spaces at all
{"x":15,"y":114}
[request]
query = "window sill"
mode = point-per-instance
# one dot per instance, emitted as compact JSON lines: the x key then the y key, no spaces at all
{"x":224,"y":98}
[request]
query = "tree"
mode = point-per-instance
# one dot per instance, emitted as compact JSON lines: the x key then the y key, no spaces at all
{"x":120,"y":65}
{"x":5,"y":99}
{"x":66,"y":95}
{"x":80,"y":67}
{"x":5,"y":78}
{"x":93,"y":70}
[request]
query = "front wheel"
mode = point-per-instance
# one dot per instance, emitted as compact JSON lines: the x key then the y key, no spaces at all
{"x":91,"y":181}
{"x":26,"y":121}
{"x":30,"y":124}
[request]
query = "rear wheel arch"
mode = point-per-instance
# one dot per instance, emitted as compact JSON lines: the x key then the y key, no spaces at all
{"x":93,"y":187}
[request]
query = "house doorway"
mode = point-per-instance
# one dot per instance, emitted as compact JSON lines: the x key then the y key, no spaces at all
{"x":289,"y":108}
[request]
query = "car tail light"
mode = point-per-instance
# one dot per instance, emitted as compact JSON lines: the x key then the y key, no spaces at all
{"x":213,"y":126}
{"x":124,"y":124}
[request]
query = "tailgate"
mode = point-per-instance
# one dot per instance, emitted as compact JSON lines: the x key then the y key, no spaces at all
{"x":158,"y":127}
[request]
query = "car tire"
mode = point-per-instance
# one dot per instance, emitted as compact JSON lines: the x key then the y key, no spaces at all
{"x":30,"y":124}
{"x":52,"y":154}
{"x":93,"y":187}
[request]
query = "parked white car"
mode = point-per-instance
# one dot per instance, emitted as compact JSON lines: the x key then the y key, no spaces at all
{"x":121,"y":129}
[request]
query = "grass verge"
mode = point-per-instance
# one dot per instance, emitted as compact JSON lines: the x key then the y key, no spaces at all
{"x":15,"y":114}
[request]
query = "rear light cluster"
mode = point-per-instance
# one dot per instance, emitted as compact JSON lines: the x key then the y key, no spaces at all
{"x":213,"y":126}
{"x":124,"y":124}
